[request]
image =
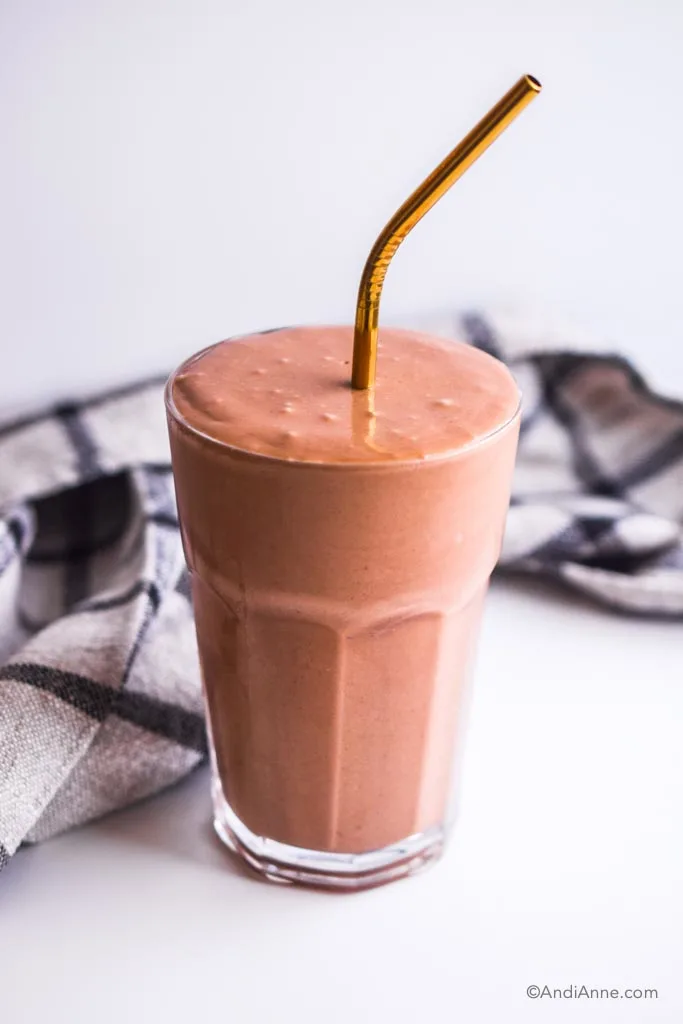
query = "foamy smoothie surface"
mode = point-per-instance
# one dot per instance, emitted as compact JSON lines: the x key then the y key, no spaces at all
{"x":287,"y":394}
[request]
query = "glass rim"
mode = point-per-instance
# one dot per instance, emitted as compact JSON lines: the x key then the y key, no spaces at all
{"x":448,"y":455}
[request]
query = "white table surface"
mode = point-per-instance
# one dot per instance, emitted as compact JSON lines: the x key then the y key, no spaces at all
{"x":565,"y":868}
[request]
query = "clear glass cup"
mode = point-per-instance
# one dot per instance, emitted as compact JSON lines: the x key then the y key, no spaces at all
{"x":337,"y":609}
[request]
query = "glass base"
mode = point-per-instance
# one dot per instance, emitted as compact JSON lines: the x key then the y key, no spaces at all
{"x":348,"y":872}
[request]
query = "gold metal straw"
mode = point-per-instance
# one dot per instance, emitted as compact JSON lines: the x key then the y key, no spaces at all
{"x":413,"y":210}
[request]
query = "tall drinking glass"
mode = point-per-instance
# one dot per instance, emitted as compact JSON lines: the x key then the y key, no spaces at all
{"x":340,"y":546}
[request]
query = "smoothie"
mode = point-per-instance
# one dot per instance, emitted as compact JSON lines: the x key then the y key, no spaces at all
{"x":340,"y":544}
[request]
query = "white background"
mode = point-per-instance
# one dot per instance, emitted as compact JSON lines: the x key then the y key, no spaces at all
{"x":176,"y":172}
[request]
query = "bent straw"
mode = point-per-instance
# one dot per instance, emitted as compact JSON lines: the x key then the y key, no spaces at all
{"x":413,"y":210}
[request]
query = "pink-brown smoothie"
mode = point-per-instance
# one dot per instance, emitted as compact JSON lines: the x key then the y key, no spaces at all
{"x":340,"y":544}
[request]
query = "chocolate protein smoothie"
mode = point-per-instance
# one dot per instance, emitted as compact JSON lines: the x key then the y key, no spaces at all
{"x":340,"y":544}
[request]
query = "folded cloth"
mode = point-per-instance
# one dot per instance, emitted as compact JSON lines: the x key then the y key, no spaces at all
{"x":100,"y":698}
{"x":597,"y":500}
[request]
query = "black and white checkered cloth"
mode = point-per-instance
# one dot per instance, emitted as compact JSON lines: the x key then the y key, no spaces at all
{"x":99,"y":686}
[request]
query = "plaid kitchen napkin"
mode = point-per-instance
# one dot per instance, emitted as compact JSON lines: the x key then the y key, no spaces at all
{"x":100,"y":699}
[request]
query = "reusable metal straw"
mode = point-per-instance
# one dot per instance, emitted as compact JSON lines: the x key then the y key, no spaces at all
{"x":413,"y":210}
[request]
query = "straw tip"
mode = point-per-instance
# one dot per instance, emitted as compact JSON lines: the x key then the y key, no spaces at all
{"x":533,"y":83}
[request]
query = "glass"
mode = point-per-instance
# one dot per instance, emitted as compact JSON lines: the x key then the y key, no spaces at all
{"x":335,"y":693}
